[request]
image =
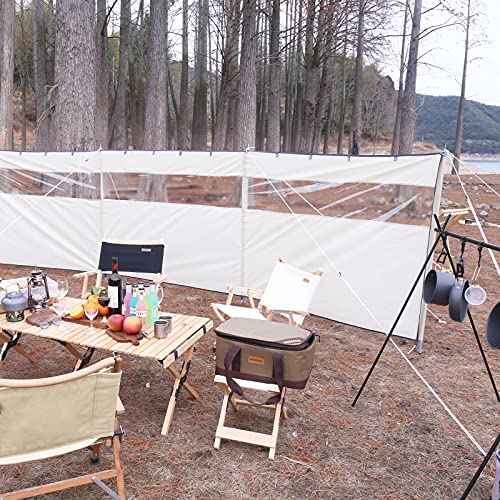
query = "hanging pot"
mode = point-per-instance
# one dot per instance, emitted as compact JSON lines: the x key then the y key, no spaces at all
{"x":458,"y":306}
{"x":493,"y":328}
{"x":437,"y":287}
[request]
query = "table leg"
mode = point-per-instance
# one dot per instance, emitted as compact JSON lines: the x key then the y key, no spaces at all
{"x":10,"y":342}
{"x":179,"y":381}
{"x":85,"y":360}
{"x":173,"y":370}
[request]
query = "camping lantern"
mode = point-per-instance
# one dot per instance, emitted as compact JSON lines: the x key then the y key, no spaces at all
{"x":38,"y":290}
{"x":14,"y":303}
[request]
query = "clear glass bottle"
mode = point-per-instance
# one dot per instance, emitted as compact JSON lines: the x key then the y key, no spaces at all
{"x":155,"y":304}
{"x":126,"y":300}
{"x":133,"y":301}
{"x":141,"y":309}
{"x":147,"y":299}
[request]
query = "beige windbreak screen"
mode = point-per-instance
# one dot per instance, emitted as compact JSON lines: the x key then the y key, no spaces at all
{"x":226,"y":217}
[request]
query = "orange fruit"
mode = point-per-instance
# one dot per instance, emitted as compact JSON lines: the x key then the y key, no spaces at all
{"x":103,"y":311}
{"x":77,"y":312}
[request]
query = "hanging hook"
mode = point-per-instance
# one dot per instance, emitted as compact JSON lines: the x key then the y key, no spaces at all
{"x":461,"y":264}
{"x":475,"y":274}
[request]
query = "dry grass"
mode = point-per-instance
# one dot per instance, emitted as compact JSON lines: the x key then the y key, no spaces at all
{"x":397,"y":442}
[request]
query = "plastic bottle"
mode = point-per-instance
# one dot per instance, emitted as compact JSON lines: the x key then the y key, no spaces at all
{"x":126,"y":300}
{"x":133,"y":301}
{"x":149,"y":303}
{"x":141,"y":309}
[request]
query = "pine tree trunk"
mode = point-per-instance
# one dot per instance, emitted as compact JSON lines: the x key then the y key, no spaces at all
{"x":397,"y":121}
{"x":140,"y":78}
{"x":43,"y":115}
{"x":199,"y":127}
{"x":408,"y":112}
{"x":183,"y":99}
{"x":233,"y":71}
{"x":356,"y":128}
{"x":460,"y":115}
{"x":273,"y":123}
{"x":343,"y":99}
{"x":155,"y":133}
{"x":24,"y":71}
{"x":248,"y":78}
{"x":299,"y":92}
{"x":119,"y":128}
{"x":102,"y":75}
{"x":75,"y":74}
{"x":7,"y":22}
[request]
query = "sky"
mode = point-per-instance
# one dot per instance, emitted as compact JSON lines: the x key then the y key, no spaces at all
{"x":446,"y":57}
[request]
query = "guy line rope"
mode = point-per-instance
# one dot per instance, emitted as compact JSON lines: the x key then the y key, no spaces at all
{"x":473,"y":210}
{"x":336,"y":270}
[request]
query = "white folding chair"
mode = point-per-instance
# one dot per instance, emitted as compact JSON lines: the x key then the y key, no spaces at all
{"x":289,"y":292}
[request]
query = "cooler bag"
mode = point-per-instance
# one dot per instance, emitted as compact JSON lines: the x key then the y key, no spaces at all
{"x":264,"y":351}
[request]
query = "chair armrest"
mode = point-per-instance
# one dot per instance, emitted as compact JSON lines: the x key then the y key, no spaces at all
{"x":160,"y":279}
{"x":247,"y":291}
{"x":84,"y":273}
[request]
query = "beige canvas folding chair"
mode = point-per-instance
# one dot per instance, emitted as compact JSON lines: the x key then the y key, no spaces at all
{"x":144,"y":259}
{"x":289,"y":292}
{"x":43,"y":418}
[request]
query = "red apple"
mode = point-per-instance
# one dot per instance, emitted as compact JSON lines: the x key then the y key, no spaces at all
{"x":115,"y":322}
{"x":132,"y":325}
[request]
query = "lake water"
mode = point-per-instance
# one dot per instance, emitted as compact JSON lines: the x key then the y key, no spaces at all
{"x":487,"y":165}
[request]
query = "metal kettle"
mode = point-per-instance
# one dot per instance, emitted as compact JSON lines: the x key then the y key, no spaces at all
{"x":14,"y":303}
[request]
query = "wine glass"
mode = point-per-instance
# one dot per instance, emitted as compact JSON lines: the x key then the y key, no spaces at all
{"x":91,"y":312}
{"x":62,"y":287}
{"x":104,"y":301}
{"x":59,"y":307}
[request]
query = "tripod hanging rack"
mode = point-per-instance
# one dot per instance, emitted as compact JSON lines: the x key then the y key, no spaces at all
{"x":443,"y":235}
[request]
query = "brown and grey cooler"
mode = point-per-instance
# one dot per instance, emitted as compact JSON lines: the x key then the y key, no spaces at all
{"x":260,"y":356}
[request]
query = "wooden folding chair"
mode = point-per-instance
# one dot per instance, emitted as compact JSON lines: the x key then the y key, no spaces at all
{"x":289,"y":292}
{"x":48,"y":417}
{"x":243,"y":436}
{"x":143,"y":259}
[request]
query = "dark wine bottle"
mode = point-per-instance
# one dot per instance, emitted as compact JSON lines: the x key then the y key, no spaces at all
{"x":115,"y":289}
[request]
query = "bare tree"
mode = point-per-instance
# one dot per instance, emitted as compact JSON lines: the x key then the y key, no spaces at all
{"x":199,"y":126}
{"x":43,"y":111}
{"x":182,"y":130}
{"x":7,"y":22}
{"x":355,"y":136}
{"x":408,"y":102}
{"x":460,"y":115}
{"x":155,"y":130}
{"x":118,"y":133}
{"x":273,"y":123}
{"x":102,"y":76}
{"x":246,"y":124}
{"x":397,"y":121}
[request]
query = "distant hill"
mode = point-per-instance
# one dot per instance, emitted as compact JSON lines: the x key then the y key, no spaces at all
{"x":437,"y":121}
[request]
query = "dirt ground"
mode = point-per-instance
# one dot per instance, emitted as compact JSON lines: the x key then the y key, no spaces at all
{"x":398,"y":442}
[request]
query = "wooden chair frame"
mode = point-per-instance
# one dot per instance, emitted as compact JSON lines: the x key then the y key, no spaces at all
{"x":113,"y":441}
{"x":251,"y":294}
{"x":243,"y":436}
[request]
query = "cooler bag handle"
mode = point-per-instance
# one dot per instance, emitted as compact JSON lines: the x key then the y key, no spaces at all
{"x":231,"y":355}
